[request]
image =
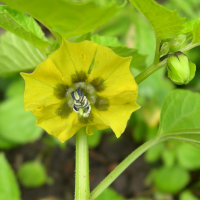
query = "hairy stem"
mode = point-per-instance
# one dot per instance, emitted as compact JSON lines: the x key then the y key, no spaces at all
{"x":82,"y":186}
{"x":121,"y":167}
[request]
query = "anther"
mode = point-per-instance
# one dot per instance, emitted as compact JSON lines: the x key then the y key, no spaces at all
{"x":81,"y":104}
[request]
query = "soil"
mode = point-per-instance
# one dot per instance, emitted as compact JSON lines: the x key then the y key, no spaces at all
{"x":60,"y":165}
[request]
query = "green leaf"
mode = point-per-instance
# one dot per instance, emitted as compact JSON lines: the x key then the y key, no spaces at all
{"x":187,"y":195}
{"x":6,"y":144}
{"x":67,"y":18}
{"x":109,"y":194}
{"x":189,"y":26}
{"x":145,"y":39}
{"x":17,"y":55}
{"x":106,"y":40}
{"x":15,"y":88}
{"x":188,"y":157}
{"x":180,"y":110}
{"x":168,"y":157}
{"x":196,"y":33}
{"x":171,"y":179}
{"x":86,"y":36}
{"x":23,"y":26}
{"x":154,"y":153}
{"x":32,"y":174}
{"x":165,"y":23}
{"x":180,"y":116}
{"x":185,"y":8}
{"x":138,"y":60}
{"x":17,"y":125}
{"x":9,"y":189}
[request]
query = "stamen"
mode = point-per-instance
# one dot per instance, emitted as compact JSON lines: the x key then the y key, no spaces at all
{"x":81,"y":104}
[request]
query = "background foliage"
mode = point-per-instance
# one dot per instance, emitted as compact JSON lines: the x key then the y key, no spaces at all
{"x":174,"y":167}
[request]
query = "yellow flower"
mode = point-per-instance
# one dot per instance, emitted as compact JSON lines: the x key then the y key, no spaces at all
{"x":81,"y":84}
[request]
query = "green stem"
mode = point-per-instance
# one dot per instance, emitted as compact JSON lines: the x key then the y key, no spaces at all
{"x":157,"y":52}
{"x":189,"y":46}
{"x":150,"y":70}
{"x":121,"y":167}
{"x":82,"y":187}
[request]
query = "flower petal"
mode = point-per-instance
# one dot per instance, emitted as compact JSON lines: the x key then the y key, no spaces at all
{"x":90,"y":129}
{"x":62,"y":128}
{"x":40,"y":85}
{"x":119,"y":111}
{"x":114,"y":70}
{"x":96,"y":124}
{"x":72,"y":58}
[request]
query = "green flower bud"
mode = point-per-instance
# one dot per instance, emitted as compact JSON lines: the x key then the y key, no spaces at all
{"x":164,"y":49}
{"x":180,"y":69}
{"x":176,"y":43}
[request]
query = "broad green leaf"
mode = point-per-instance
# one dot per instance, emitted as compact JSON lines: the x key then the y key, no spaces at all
{"x":188,"y":156}
{"x":154,"y":153}
{"x":180,"y":110}
{"x":138,"y":60}
{"x":180,"y":116}
{"x":168,"y":157}
{"x":67,"y":18}
{"x":118,"y":25}
{"x":106,"y":40}
{"x":189,"y":26}
{"x":196,"y":33}
{"x":187,"y":8}
{"x":171,"y":179}
{"x":165,"y":23}
{"x":32,"y":174}
{"x":187,"y":195}
{"x":17,"y":125}
{"x":17,"y":55}
{"x":86,"y":36}
{"x":9,"y":189}
{"x":109,"y":194}
{"x":6,"y":144}
{"x":145,"y":39}
{"x":16,"y":88}
{"x":23,"y":26}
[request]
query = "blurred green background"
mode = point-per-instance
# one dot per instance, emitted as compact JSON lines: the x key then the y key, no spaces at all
{"x":43,"y":168}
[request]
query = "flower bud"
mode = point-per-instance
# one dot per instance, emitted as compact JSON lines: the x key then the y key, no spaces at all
{"x":164,"y":49}
{"x":176,"y":43}
{"x":180,"y":69}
